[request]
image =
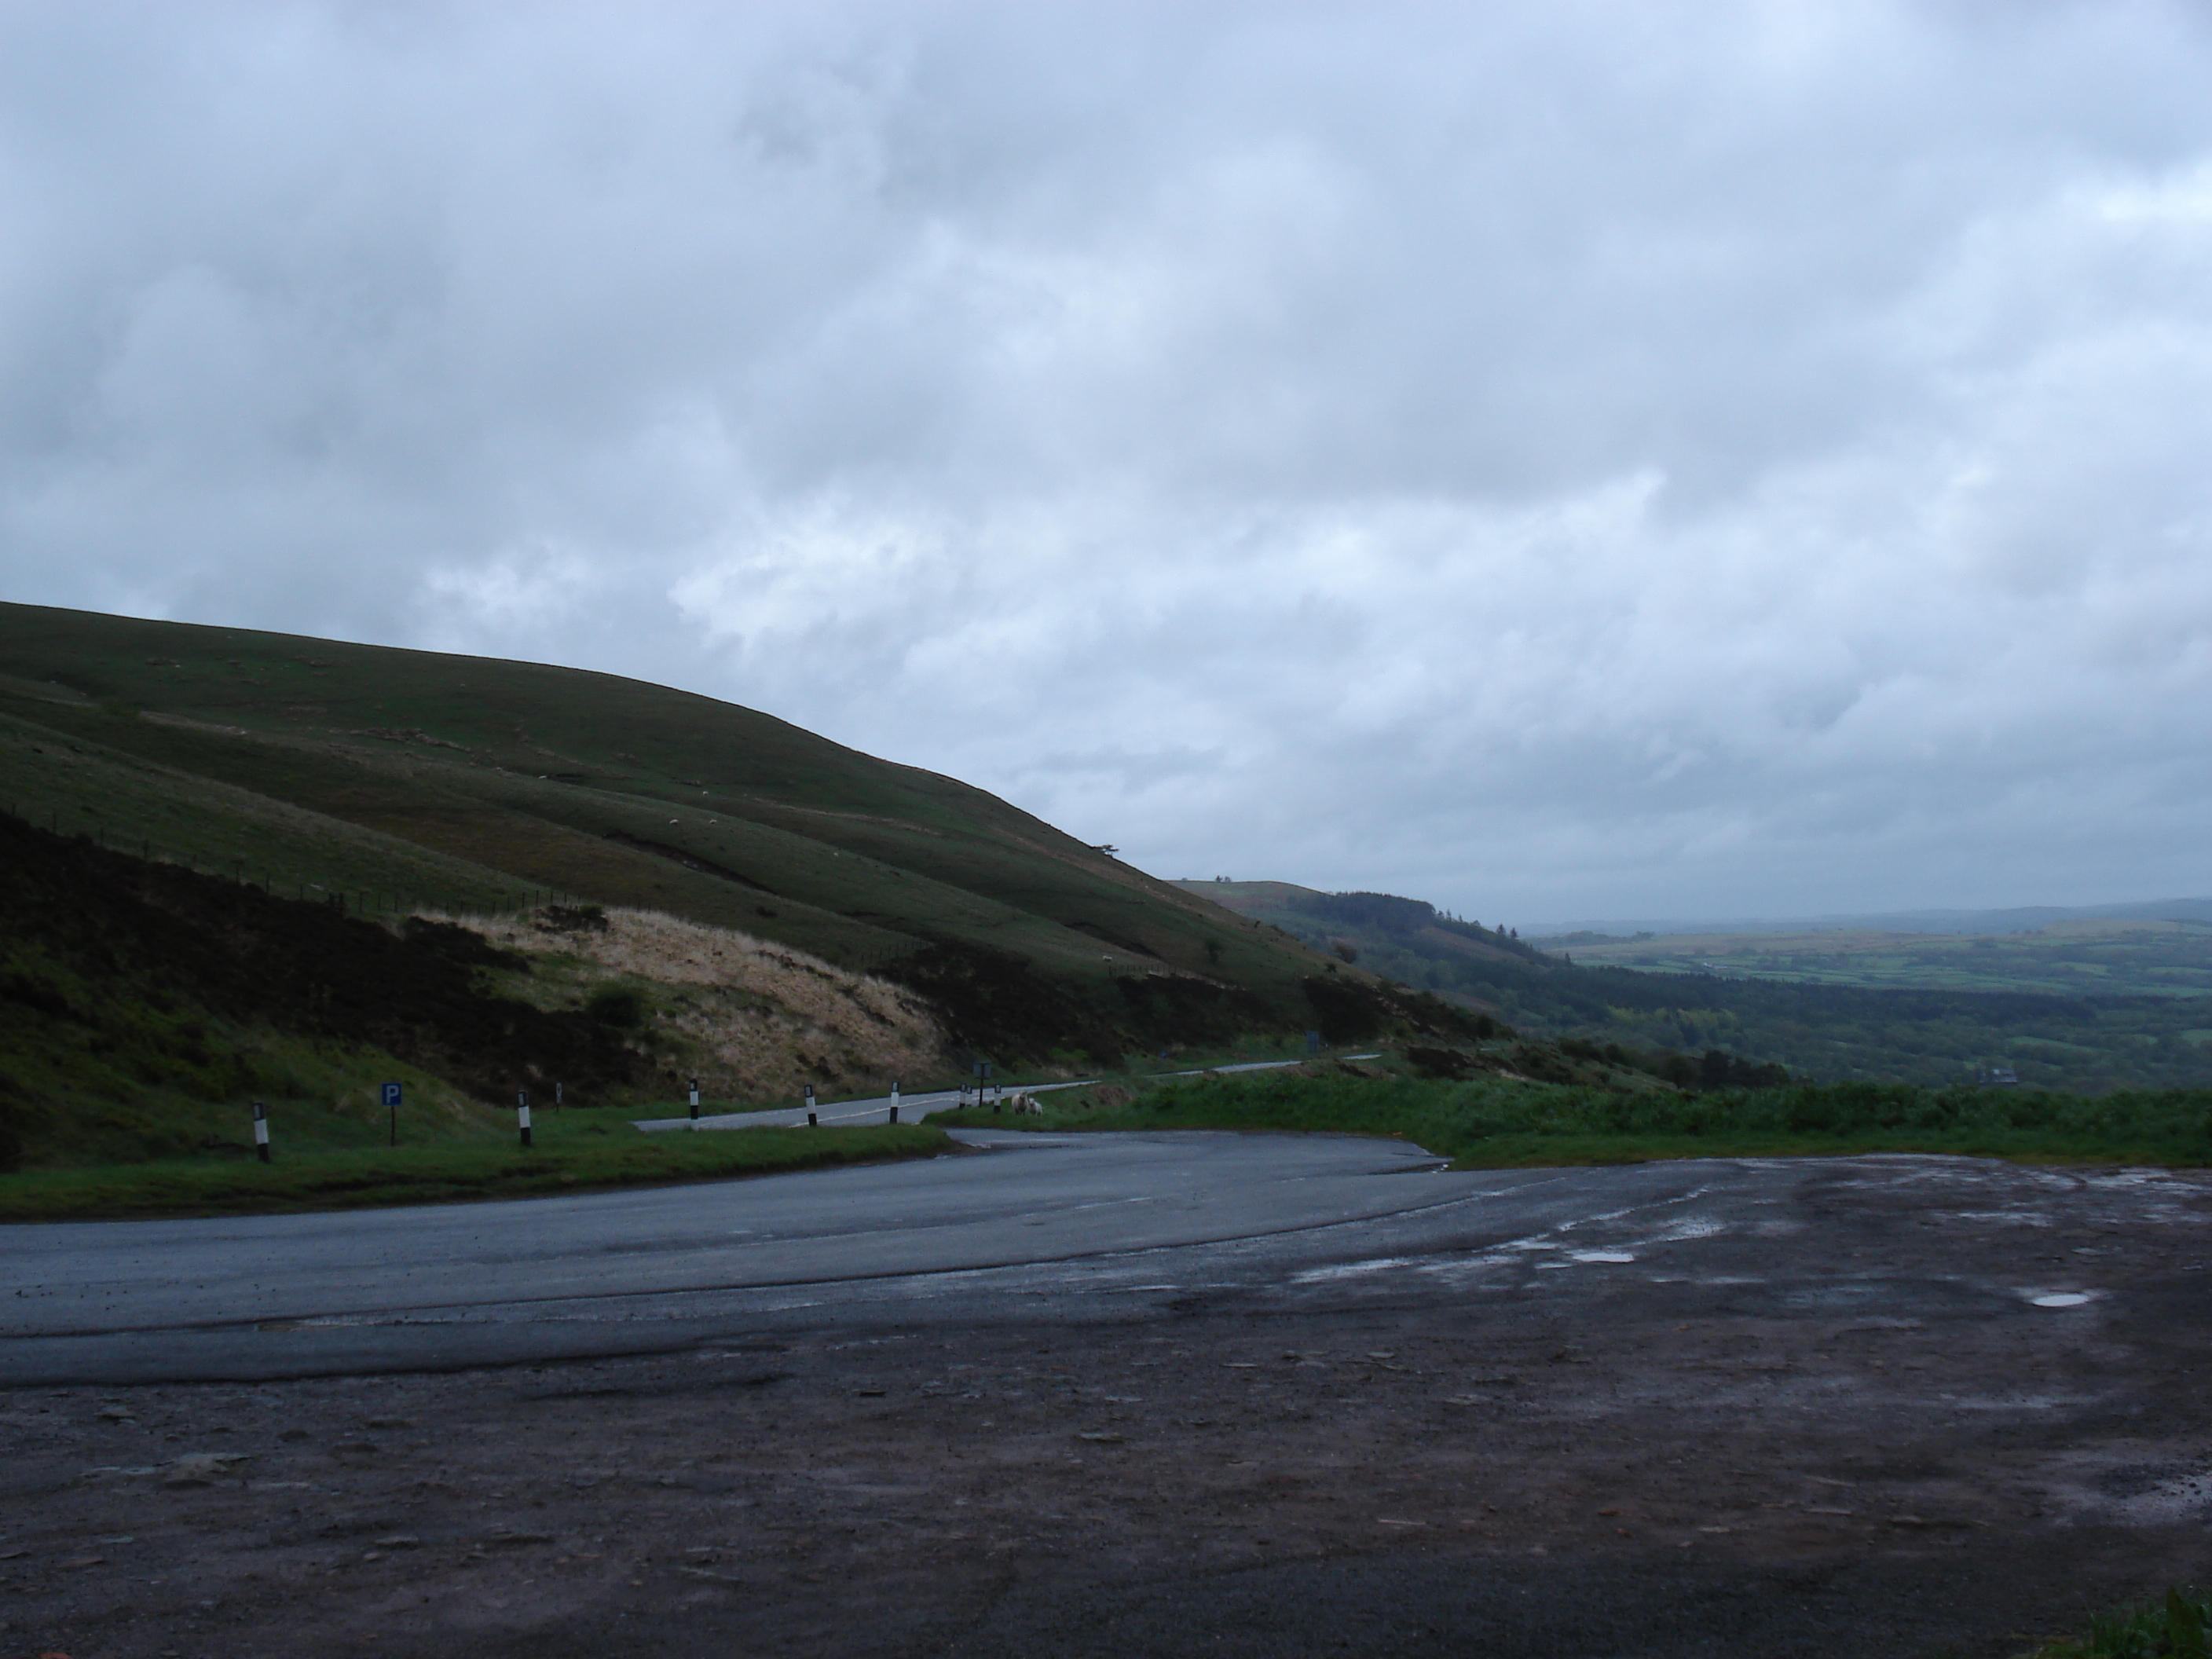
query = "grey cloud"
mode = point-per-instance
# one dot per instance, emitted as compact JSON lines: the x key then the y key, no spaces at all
{"x":1558,"y":460}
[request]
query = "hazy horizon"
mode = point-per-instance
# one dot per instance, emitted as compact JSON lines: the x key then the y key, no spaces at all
{"x":2184,"y":909}
{"x":1741,"y":458}
{"x":2187,"y":907}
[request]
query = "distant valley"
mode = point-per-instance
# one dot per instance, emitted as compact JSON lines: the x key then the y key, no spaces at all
{"x":2085,"y":1003}
{"x":2085,"y":957}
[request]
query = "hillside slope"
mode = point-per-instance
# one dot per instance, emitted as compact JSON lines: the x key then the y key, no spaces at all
{"x":143,"y":1006}
{"x":404,"y":781}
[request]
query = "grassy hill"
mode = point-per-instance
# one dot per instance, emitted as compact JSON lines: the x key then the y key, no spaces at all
{"x":389,"y":782}
{"x":2016,"y":1004}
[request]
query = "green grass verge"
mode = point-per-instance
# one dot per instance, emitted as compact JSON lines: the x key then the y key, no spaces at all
{"x":568,"y":1158}
{"x":1495,"y":1124}
{"x":2175,"y":1628}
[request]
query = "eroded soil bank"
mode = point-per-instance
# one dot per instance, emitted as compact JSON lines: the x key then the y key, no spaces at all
{"x":1836,"y":1437}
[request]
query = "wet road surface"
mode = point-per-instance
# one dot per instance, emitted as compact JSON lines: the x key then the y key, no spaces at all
{"x":1881,"y":1407}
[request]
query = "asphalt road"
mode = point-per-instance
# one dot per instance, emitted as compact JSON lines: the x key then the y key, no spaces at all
{"x":628,"y":1272}
{"x":912,"y":1108}
{"x":1086,"y":1222}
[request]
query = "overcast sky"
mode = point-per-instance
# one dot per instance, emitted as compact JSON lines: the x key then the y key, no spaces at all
{"x":1556,"y":459}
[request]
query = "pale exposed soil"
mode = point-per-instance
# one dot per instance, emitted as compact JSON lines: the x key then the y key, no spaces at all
{"x":1372,"y":1462}
{"x":760,"y":1019}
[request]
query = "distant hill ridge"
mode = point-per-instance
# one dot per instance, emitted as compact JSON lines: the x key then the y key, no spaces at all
{"x":1326,"y":921}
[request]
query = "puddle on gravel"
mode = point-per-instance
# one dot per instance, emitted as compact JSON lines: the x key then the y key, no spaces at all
{"x":2017,"y":1402}
{"x":2167,"y":1495}
{"x":2161,"y":1493}
{"x":1350,"y":1269}
{"x":1468,"y":1267}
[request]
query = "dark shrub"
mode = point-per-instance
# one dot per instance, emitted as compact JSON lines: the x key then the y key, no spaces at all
{"x":572,"y":919}
{"x":1441,"y":1063}
{"x":622,"y":1006}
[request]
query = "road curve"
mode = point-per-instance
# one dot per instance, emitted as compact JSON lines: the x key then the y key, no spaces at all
{"x":1073,"y":1229}
{"x":916,"y":1107}
{"x":452,"y":1283}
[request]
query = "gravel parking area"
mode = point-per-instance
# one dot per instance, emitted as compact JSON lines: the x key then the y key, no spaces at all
{"x":1881,"y":1407}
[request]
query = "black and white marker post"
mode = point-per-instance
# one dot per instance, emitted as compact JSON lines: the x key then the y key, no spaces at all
{"x":261,"y":1131}
{"x":695,"y":1103}
{"x":894,"y":1117}
{"x":522,"y":1114}
{"x":810,"y":1121}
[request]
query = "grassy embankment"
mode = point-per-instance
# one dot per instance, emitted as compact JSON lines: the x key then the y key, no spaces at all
{"x":1497,"y":1123}
{"x":2174,"y":1628}
{"x":573,"y":1151}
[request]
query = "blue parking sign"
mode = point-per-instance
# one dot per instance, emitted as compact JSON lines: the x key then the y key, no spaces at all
{"x":391,"y":1094}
